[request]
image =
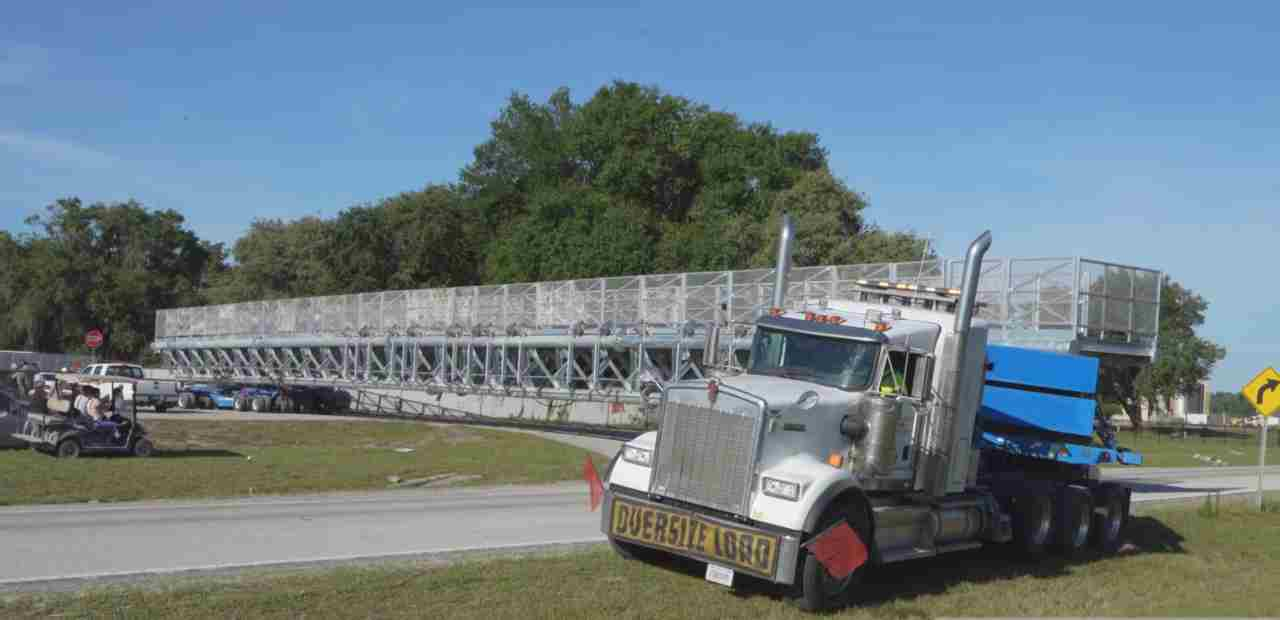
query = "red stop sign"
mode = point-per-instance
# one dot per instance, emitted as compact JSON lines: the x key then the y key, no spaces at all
{"x":93,"y":339}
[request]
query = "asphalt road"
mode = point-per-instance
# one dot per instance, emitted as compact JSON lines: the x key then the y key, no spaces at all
{"x":60,"y":546}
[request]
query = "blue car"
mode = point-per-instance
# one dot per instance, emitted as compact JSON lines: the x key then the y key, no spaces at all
{"x":206,"y":396}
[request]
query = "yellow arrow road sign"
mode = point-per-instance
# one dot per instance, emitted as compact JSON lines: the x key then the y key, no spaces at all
{"x":1263,"y":391}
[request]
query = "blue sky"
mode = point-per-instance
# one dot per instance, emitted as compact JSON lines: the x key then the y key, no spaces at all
{"x":1142,"y":133}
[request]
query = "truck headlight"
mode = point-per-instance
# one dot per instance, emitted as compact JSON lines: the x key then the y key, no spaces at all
{"x":781,"y":489}
{"x":639,"y":456}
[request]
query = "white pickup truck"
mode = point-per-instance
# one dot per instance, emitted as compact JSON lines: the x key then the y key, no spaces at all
{"x":158,"y":394}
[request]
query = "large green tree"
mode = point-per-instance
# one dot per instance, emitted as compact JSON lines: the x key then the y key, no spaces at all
{"x":105,"y":266}
{"x":636,"y":180}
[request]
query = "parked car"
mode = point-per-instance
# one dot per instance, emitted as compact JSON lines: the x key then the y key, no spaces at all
{"x":160,"y":395}
{"x":209,"y":396}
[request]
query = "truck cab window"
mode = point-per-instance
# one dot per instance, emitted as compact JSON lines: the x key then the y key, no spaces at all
{"x":835,"y":362}
{"x":906,"y":374}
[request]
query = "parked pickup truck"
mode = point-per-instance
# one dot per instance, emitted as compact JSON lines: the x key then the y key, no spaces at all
{"x":160,"y":395}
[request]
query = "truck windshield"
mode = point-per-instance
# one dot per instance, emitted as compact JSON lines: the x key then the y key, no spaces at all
{"x":839,"y":363}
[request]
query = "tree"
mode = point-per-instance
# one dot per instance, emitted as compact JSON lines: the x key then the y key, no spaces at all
{"x":1232,"y":404}
{"x":107,"y":266}
{"x":278,"y":259}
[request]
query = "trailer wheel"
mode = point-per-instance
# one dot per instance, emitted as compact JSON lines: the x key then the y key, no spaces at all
{"x":285,"y":404}
{"x":186,"y":401}
{"x":259,"y":405}
{"x":1032,"y":521}
{"x":815,"y":589}
{"x":241,"y":404}
{"x":1109,"y":515}
{"x":1075,"y":519}
{"x":68,"y":449}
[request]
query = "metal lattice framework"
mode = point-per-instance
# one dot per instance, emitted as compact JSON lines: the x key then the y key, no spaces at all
{"x":610,"y":338}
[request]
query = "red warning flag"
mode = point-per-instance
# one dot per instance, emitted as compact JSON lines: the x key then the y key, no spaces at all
{"x":839,"y":549}
{"x":593,"y":483}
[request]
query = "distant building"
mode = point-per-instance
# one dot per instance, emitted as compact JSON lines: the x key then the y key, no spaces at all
{"x":1187,"y":408}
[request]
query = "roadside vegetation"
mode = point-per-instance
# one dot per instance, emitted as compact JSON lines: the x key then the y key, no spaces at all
{"x":1178,"y":562}
{"x":1168,"y":450}
{"x":219,"y":459}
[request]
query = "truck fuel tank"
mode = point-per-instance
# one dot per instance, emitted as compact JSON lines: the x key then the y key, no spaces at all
{"x":875,"y":452}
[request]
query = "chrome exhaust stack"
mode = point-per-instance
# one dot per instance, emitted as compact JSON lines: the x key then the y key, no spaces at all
{"x":946,"y":456}
{"x":783,"y":263}
{"x":969,"y":288}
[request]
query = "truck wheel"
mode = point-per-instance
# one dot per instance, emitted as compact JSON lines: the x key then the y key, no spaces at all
{"x":815,"y":588}
{"x":68,"y":449}
{"x":206,"y":402}
{"x":284,"y":404}
{"x":186,"y":401}
{"x":260,"y":405}
{"x":1032,"y":521}
{"x":241,"y":404}
{"x":1074,"y":519}
{"x":1109,"y":516}
{"x":143,"y":448}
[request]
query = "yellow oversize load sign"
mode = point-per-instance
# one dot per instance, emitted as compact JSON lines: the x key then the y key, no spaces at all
{"x":748,"y":550}
{"x":1263,"y":392}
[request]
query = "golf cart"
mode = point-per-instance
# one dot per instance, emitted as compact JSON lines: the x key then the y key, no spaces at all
{"x":66,"y":433}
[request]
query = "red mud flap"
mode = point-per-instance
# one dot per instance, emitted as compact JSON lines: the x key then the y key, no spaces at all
{"x":839,"y":550}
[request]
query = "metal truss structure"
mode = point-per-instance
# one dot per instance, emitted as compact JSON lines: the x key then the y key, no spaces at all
{"x":618,"y":338}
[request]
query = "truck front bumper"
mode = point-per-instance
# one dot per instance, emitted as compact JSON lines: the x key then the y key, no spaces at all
{"x":766,"y":553}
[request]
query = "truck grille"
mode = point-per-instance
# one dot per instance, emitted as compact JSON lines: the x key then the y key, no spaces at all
{"x":707,"y":456}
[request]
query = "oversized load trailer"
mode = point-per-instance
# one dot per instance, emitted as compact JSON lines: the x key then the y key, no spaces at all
{"x":868,"y":431}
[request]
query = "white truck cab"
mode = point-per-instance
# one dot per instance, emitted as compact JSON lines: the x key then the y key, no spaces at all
{"x":859,"y":411}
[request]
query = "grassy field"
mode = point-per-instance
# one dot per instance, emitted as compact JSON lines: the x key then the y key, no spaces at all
{"x":221,"y":458}
{"x":1178,"y":563}
{"x":1168,"y":451}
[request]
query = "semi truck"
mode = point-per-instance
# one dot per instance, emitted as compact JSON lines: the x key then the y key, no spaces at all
{"x":866,"y":431}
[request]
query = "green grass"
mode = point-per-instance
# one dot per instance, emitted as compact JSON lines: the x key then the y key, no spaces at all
{"x":1168,"y":451}
{"x":1180,"y":563}
{"x":224,"y":458}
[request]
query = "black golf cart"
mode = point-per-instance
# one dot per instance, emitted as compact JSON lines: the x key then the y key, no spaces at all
{"x":65,"y":433}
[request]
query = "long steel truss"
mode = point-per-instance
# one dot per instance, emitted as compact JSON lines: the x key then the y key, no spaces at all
{"x":620,"y":338}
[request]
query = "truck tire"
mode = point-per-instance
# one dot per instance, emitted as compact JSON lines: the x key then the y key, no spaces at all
{"x":1110,"y":513}
{"x":186,"y":401}
{"x":260,"y":405}
{"x":815,"y":589}
{"x":284,"y":404}
{"x":1032,"y":521}
{"x":68,"y":449}
{"x":1074,"y":519}
{"x":242,"y":403}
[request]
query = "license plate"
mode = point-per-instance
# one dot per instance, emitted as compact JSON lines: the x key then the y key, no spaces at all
{"x":689,"y":534}
{"x":719,"y":574}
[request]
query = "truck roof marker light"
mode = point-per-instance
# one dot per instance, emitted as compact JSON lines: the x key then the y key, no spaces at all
{"x":829,"y":319}
{"x":775,"y":311}
{"x":835,"y":460}
{"x":1063,"y":452}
